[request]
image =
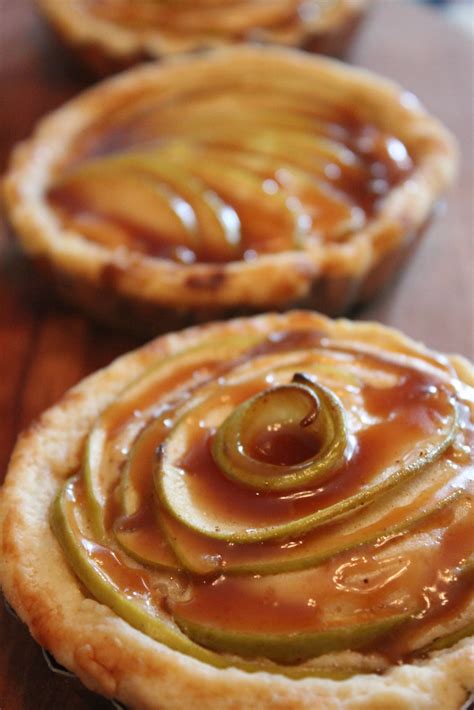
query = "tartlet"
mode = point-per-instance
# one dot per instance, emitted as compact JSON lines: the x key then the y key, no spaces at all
{"x":108,"y":35}
{"x":271,"y":512}
{"x":231,"y":183}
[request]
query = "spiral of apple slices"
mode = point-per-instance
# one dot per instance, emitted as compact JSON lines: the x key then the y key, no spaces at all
{"x":282,"y":501}
{"x":319,"y":417}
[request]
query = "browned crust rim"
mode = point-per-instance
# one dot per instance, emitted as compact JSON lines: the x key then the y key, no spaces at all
{"x":270,"y":281}
{"x":106,"y":47}
{"x":104,"y":651}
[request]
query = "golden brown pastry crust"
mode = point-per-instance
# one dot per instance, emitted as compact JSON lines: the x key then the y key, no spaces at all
{"x":105,"y":47}
{"x":113,"y":658}
{"x":153,"y":293}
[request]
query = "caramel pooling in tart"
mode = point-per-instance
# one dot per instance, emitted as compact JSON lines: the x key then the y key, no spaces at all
{"x":279,"y":498}
{"x":230,"y":172}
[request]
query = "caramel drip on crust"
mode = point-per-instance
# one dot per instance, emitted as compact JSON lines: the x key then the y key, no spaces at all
{"x":386,"y":575}
{"x":230,"y":173}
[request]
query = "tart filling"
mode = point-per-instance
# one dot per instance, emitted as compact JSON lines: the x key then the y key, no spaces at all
{"x":225,"y":173}
{"x":124,"y":31}
{"x":286,"y":495}
{"x":245,"y":179}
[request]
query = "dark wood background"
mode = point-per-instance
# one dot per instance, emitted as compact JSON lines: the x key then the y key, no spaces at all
{"x":45,"y":348}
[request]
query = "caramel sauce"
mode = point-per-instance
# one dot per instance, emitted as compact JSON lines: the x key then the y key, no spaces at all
{"x":377,"y":447}
{"x":352,"y":588}
{"x":326,"y":196}
{"x":145,"y":456}
{"x":141,"y":521}
{"x":415,"y":391}
{"x":303,"y":603}
{"x":379,"y":173}
{"x":143,"y":538}
{"x":284,"y":446}
{"x":217,"y":555}
{"x":113,"y":508}
{"x":146,"y":451}
{"x":324,"y":598}
{"x":418,"y":571}
{"x":106,"y":228}
{"x":118,"y":416}
{"x":128,"y":580}
{"x":139,"y":530}
{"x":449,"y":588}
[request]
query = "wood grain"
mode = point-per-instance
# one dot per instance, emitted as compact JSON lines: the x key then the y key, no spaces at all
{"x":45,"y":348}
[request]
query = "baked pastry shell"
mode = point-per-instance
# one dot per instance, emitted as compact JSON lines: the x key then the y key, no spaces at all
{"x":105,"y":48}
{"x":103,"y":650}
{"x":151,"y":295}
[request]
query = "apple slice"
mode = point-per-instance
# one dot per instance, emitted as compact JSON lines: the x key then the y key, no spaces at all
{"x":216,"y":223}
{"x":205,"y":556}
{"x":128,"y":592}
{"x":302,"y":419}
{"x":289,"y":647}
{"x":188,"y":498}
{"x":135,"y":202}
{"x":169,"y":375}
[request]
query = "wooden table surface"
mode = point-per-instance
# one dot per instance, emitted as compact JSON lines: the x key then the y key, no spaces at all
{"x":45,"y":348}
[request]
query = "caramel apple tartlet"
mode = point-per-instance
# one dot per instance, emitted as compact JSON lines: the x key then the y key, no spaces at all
{"x":232,"y":183}
{"x":108,"y":35}
{"x":272,"y":512}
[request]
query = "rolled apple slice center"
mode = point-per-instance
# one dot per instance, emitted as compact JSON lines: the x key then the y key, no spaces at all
{"x":283,"y":437}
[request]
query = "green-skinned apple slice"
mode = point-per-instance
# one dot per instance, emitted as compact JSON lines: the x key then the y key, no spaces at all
{"x":219,"y":227}
{"x":216,"y":223}
{"x":146,"y":545}
{"x":288,"y":647}
{"x":137,"y":530}
{"x":309,"y":153}
{"x":175,"y":492}
{"x":265,"y":218}
{"x":276,"y":618}
{"x":70,"y":525}
{"x":133,"y":200}
{"x":230,"y":199}
{"x":135,"y":486}
{"x":257,"y":104}
{"x":236,"y":173}
{"x":204,"y":556}
{"x":168,"y":375}
{"x":307,"y":408}
{"x":298,"y":146}
{"x":262,"y":148}
{"x":449,"y":639}
{"x":249,"y":115}
{"x":330,"y":210}
{"x":463,"y":628}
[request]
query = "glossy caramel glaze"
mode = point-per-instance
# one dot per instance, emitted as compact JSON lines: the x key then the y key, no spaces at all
{"x":403,"y":553}
{"x":284,"y":446}
{"x":230,"y":172}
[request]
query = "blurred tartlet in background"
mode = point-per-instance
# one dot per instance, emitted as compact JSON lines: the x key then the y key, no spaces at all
{"x":110,"y":35}
{"x":234,"y":182}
